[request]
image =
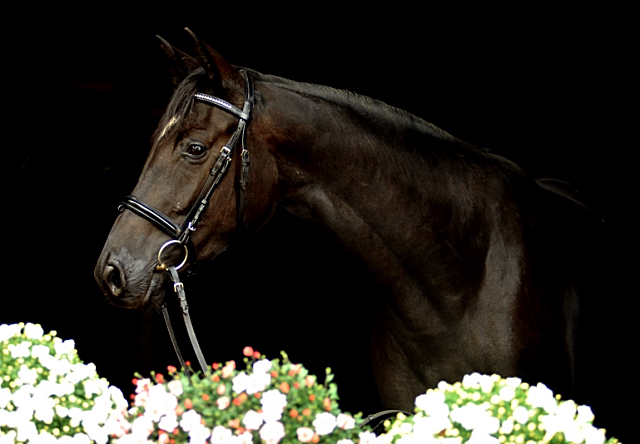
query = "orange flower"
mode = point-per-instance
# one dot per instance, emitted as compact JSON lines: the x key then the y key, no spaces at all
{"x":188,"y":404}
{"x":284,"y":387}
{"x":312,"y":397}
{"x":296,"y":385}
{"x":306,"y":412}
{"x":171,"y":369}
{"x":205,"y":397}
{"x":315,"y":438}
{"x":221,"y":389}
{"x":159,"y":378}
{"x":240,"y":399}
{"x":326,"y":403}
{"x":247,"y":351}
{"x":256,"y":355}
{"x":215,"y":366}
{"x":293,"y":413}
{"x":215,"y":378}
{"x":274,"y":374}
{"x":234,"y":423}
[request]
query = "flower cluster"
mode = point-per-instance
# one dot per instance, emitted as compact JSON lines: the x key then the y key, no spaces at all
{"x":269,"y":402}
{"x":492,"y":410}
{"x":48,"y":394}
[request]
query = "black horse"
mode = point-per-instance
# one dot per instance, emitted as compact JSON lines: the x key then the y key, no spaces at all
{"x":455,"y":235}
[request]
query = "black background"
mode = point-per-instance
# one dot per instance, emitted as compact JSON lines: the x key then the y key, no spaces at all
{"x":82,"y":90}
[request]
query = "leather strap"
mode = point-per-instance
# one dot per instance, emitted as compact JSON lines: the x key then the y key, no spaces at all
{"x":174,"y":342}
{"x":152,"y":214}
{"x":178,"y":287}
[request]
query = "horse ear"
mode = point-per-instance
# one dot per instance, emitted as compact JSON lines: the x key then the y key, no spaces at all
{"x":217,"y":67}
{"x":183,"y":64}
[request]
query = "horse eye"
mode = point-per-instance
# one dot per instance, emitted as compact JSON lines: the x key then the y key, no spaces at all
{"x":196,"y":150}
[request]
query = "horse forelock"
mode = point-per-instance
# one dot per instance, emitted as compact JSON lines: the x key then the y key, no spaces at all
{"x":180,"y":104}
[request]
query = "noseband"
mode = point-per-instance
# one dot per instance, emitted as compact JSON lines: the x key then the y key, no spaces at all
{"x":181,"y":233}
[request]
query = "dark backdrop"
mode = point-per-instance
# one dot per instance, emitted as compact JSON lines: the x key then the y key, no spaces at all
{"x":82,"y":90}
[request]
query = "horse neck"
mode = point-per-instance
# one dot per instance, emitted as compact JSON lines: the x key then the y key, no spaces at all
{"x":356,"y":150}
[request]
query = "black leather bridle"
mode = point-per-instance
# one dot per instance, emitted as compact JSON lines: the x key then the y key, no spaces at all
{"x":181,"y":233}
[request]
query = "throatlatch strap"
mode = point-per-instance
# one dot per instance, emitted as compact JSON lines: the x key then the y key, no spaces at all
{"x":178,"y":287}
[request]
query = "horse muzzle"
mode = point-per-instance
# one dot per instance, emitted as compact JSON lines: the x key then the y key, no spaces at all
{"x":133,"y":283}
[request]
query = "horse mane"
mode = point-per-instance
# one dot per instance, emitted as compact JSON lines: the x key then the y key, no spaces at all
{"x":344,"y":97}
{"x":182,"y":101}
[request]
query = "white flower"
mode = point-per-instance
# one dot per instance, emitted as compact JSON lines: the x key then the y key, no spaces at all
{"x":541,"y":396}
{"x":240,"y":382}
{"x":521,"y":414}
{"x":26,"y":430}
{"x":244,"y":438}
{"x":223,"y":402}
{"x":433,"y":403}
{"x":40,"y":352}
{"x":27,"y":375}
{"x":257,"y":382}
{"x":272,"y":432}
{"x":345,"y":422}
{"x":253,"y":383}
{"x":427,"y":426}
{"x":221,"y":435}
{"x":593,"y":435}
{"x":142,"y":427}
{"x":22,"y":350}
{"x":198,"y":434}
{"x":305,"y":434}
{"x":367,"y":438}
{"x":273,"y":403}
{"x":160,"y":402}
{"x":33,"y":331}
{"x":64,"y":347}
{"x":475,"y":417}
{"x":44,"y":410}
{"x":482,"y":438}
{"x":44,"y":438}
{"x":585,"y":414}
{"x":175,"y":387}
{"x":252,"y":420}
{"x":91,"y":387}
{"x":262,"y":366}
{"x":168,"y":422}
{"x":324,"y":423}
{"x":507,"y":393}
{"x":5,"y":397}
{"x":9,"y":331}
{"x":514,"y":383}
{"x":190,"y":419}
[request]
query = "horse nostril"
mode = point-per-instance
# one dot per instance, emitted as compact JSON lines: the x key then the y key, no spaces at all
{"x":114,"y":278}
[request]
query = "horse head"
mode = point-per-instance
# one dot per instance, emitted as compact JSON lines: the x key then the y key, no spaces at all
{"x":189,"y":200}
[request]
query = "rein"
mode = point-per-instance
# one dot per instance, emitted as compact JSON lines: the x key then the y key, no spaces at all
{"x":181,"y":233}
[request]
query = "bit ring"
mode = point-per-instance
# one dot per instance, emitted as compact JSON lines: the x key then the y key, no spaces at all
{"x":161,"y":265}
